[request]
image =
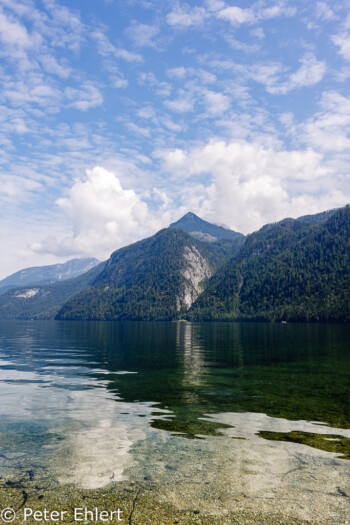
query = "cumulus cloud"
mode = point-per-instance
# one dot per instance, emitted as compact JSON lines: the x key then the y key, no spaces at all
{"x":104,"y":216}
{"x":237,"y":15}
{"x":251,"y":185}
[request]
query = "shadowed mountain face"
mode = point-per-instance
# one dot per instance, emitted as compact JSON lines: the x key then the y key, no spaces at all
{"x":203,"y":230}
{"x":47,"y":274}
{"x":154,"y":279}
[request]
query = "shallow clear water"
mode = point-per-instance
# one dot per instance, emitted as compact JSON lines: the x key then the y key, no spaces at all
{"x":219,"y":415}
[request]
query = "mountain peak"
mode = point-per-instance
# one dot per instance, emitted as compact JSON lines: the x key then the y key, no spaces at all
{"x":190,"y":215}
{"x":203,"y":230}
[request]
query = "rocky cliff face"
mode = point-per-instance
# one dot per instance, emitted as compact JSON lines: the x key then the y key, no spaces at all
{"x":197,"y":271}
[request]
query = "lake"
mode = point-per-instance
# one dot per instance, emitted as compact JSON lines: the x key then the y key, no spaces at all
{"x":200,"y":422}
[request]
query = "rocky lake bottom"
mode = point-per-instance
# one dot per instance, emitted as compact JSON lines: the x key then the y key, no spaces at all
{"x":174,"y":423}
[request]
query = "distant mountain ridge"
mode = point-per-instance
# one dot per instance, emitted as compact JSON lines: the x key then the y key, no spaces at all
{"x":306,"y":219}
{"x":48,"y":274}
{"x":42,"y":301}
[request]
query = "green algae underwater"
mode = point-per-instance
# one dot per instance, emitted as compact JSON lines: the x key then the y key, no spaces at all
{"x":177,"y":422}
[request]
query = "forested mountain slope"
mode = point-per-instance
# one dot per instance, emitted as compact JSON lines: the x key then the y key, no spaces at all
{"x":294,"y":270}
{"x":153,"y":279}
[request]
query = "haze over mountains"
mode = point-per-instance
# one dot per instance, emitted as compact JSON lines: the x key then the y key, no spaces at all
{"x":47,"y":274}
{"x":294,"y":270}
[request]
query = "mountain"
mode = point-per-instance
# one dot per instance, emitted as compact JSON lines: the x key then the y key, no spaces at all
{"x":47,"y":274}
{"x":43,"y":301}
{"x":226,"y":242}
{"x":295,"y":270}
{"x":154,"y":279}
{"x":203,"y":230}
{"x":318,"y":218}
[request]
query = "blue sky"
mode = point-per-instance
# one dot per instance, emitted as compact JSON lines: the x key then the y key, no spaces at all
{"x":117,"y":117}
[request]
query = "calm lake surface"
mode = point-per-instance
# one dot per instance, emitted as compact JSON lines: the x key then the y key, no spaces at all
{"x":218,"y":415}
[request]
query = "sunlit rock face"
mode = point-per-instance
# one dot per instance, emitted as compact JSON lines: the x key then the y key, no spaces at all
{"x":197,"y":270}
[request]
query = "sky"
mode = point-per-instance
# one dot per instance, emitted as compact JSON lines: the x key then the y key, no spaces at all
{"x":119,"y":116}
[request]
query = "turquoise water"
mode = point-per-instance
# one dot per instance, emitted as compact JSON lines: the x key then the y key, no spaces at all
{"x":88,"y":403}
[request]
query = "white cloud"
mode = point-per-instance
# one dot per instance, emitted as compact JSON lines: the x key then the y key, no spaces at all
{"x":143,"y":34}
{"x":257,"y":32}
{"x":267,"y":74}
{"x":146,"y":112}
{"x":323,"y":11}
{"x":185,"y":16}
{"x":182,"y":104}
{"x":215,"y":5}
{"x":128,"y":56}
{"x":138,"y":130}
{"x":149,"y":79}
{"x":329,"y":129}
{"x":237,"y":15}
{"x":342,"y":41}
{"x":106,"y":48}
{"x":51,"y":65}
{"x":36,"y":89}
{"x":310,"y":73}
{"x":13,"y":33}
{"x":104,"y":216}
{"x":241,"y":46}
{"x":274,"y":75}
{"x":119,"y":82}
{"x":84,"y":98}
{"x":176,"y":72}
{"x":60,"y":26}
{"x":252,"y":185}
{"x":216,"y":103}
{"x":17,"y":188}
{"x":275,"y":11}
